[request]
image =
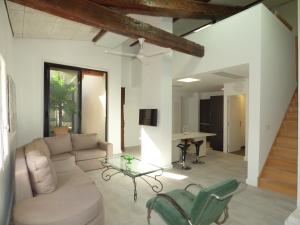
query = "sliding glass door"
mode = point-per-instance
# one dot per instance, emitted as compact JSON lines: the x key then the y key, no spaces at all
{"x":62,"y":100}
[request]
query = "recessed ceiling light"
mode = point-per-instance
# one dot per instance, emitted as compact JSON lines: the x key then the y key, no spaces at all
{"x":188,"y":80}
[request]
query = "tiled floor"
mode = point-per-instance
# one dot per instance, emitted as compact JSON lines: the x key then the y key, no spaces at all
{"x":251,"y":207}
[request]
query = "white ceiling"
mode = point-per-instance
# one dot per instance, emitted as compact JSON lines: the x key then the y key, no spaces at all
{"x":30,"y":23}
{"x":210,"y":82}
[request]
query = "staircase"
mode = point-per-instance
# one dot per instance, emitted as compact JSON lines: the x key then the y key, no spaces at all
{"x":280,"y":171}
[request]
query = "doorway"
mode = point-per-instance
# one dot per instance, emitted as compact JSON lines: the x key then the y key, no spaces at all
{"x":73,"y":97}
{"x":93,"y":113}
{"x":236,"y":125}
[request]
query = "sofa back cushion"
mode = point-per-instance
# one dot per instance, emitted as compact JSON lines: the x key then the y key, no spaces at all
{"x":22,"y":181}
{"x":42,"y":174}
{"x":84,"y":141}
{"x":59,"y":144}
{"x":40,"y":144}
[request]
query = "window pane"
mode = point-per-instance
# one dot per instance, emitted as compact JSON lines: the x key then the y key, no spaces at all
{"x":64,"y":100}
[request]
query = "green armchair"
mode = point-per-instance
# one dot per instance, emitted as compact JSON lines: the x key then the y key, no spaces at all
{"x":181,"y":207}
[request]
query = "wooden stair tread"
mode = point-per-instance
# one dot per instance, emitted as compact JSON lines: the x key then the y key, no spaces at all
{"x":284,"y":165}
{"x":280,"y":170}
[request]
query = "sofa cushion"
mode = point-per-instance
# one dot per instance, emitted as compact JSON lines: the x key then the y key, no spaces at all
{"x":41,"y":145}
{"x":77,"y":205}
{"x":91,"y":164}
{"x":76,"y":201}
{"x":59,"y":144}
{"x":89,"y":154}
{"x":42,"y":174}
{"x":84,"y":141}
{"x":63,"y":162}
{"x":22,"y":181}
{"x":64,"y":156}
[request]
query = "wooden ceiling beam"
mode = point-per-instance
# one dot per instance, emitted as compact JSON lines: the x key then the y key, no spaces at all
{"x":99,"y":35}
{"x":95,"y":15}
{"x":171,"y":8}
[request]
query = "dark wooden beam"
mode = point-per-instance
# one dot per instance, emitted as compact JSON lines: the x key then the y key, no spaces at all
{"x":171,"y":8}
{"x":99,"y":35}
{"x":202,"y":0}
{"x":95,"y":15}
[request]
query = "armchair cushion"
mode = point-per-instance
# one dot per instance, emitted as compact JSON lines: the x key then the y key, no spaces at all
{"x":84,"y":141}
{"x":215,"y":208}
{"x":168,"y":212}
{"x":59,"y":144}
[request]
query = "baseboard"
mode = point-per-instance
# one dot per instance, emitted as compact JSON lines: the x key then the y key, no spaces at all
{"x":252,"y":182}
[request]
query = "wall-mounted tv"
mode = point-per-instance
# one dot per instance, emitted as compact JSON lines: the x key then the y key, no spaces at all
{"x":148,"y":117}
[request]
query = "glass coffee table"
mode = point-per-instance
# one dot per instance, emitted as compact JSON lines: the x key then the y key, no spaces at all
{"x":134,"y":169}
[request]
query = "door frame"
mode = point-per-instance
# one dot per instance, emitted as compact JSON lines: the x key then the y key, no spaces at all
{"x":229,"y":126}
{"x":47,"y":66}
{"x":123,"y":94}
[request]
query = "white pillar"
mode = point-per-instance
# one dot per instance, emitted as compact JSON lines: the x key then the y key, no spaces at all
{"x":156,"y":93}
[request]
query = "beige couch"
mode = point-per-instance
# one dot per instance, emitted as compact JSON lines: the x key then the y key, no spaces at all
{"x":50,"y":189}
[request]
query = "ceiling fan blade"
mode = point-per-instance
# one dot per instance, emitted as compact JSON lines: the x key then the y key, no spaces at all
{"x":120,"y":53}
{"x":168,"y":51}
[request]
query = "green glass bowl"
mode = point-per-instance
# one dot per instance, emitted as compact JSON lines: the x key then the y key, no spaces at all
{"x":128,"y":158}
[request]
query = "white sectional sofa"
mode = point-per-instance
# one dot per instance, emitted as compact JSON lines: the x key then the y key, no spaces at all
{"x":50,"y":185}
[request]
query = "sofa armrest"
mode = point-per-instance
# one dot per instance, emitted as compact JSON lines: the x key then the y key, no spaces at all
{"x":108,"y":147}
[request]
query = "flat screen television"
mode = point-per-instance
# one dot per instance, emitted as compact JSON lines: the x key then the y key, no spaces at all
{"x":148,"y":117}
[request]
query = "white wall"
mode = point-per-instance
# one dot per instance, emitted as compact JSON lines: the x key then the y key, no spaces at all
{"x":156,"y":93}
{"x":131,"y":116}
{"x":131,"y":78}
{"x":93,"y":112}
{"x":278,"y":73}
{"x":186,"y":117}
{"x":29,"y":58}
{"x":248,"y":45}
{"x":7,"y":162}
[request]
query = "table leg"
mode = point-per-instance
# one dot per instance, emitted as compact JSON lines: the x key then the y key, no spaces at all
{"x":134,"y":189}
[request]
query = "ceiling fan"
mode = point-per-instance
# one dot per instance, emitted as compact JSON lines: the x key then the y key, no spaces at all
{"x":141,"y":54}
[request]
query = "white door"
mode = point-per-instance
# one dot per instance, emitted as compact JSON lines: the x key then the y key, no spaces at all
{"x":236,"y":122}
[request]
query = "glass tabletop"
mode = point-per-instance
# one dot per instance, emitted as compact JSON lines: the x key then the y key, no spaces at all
{"x":135,"y":168}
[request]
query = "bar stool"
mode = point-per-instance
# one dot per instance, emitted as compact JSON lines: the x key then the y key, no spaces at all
{"x":183,"y":148}
{"x":198,"y":145}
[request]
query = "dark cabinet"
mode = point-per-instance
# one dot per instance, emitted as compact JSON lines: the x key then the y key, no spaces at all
{"x":204,"y":115}
{"x":211,"y":120}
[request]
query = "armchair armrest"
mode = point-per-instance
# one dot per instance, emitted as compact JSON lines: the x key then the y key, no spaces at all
{"x":108,"y":147}
{"x":193,"y":184}
{"x":176,"y":206}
